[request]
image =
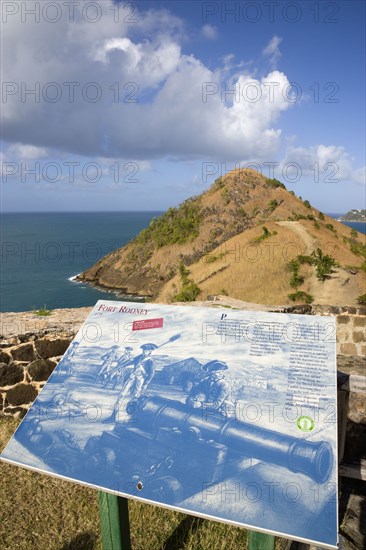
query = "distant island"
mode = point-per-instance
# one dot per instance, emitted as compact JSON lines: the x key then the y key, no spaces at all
{"x":355,"y":215}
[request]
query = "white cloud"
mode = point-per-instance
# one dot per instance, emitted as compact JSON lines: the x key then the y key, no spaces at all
{"x":359,"y":175}
{"x":272,"y":50}
{"x":150,"y":94}
{"x":21,"y":151}
{"x":210,"y":31}
{"x":331,"y":163}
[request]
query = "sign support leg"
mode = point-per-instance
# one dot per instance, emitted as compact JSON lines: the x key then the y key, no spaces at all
{"x":114,"y":522}
{"x":260,"y":541}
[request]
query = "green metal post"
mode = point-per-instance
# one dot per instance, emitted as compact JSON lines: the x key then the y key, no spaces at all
{"x":114,"y":522}
{"x":260,"y":541}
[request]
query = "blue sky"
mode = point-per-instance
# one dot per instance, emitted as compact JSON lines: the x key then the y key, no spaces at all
{"x":129,"y":111}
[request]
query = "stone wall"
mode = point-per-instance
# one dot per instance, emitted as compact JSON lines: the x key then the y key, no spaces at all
{"x":351,"y":328}
{"x":26,"y":362}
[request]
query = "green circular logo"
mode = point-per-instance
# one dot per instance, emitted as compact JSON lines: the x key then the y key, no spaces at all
{"x":305,"y":423}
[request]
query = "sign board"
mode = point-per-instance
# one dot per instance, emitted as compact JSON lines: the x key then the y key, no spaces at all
{"x":225,"y":414}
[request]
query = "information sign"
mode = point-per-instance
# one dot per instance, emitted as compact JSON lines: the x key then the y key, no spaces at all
{"x":225,"y":414}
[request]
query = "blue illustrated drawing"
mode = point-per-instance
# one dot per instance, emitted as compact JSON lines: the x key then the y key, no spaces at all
{"x":230,"y":416}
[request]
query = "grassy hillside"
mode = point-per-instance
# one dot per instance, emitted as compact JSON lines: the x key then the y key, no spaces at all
{"x":237,"y":238}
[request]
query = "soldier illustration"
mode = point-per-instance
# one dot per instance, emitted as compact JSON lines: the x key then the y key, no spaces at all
{"x":212,"y":393}
{"x":108,"y":358}
{"x":116,"y":374}
{"x":142,"y":372}
{"x":137,"y":382}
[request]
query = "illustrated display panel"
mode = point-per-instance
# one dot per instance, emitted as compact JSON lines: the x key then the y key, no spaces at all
{"x":216,"y":412}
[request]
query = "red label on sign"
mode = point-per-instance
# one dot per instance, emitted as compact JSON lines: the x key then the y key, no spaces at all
{"x":147,"y":323}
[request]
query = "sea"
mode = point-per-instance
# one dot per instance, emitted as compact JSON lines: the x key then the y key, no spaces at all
{"x":41,"y":253}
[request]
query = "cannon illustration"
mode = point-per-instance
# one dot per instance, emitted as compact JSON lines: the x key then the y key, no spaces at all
{"x":168,"y":450}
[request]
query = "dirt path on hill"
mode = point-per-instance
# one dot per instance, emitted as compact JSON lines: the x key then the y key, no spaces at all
{"x":296,"y":227}
{"x":340,"y":289}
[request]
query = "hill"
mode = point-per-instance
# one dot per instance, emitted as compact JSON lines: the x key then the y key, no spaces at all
{"x":354,"y":216}
{"x":242,"y":237}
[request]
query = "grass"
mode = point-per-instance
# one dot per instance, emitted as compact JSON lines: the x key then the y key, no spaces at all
{"x":39,"y":511}
{"x":42,"y":312}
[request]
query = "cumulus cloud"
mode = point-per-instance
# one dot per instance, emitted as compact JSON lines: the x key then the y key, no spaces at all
{"x":272,"y":50}
{"x":21,"y":151}
{"x":210,"y":31}
{"x":330,"y":163}
{"x":126,"y":90}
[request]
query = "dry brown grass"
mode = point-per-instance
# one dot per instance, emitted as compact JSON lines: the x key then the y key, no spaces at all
{"x":258,"y":272}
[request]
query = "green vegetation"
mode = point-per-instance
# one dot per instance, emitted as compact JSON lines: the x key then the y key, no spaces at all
{"x":296,"y":279}
{"x":354,"y":233}
{"x":224,"y":292}
{"x":189,"y":290}
{"x":330,"y":226}
{"x":175,"y":226}
{"x":42,"y":312}
{"x":323,"y":264}
{"x":218,"y":184}
{"x":362,"y":300}
{"x":301,"y":296}
{"x":316,"y":225}
{"x":307,"y":204}
{"x":272,"y":205}
{"x":321,"y":216}
{"x":265,"y":235}
{"x":226,"y":197}
{"x":358,"y":248}
{"x":296,"y":217}
{"x":275,"y":183}
{"x":211,"y":258}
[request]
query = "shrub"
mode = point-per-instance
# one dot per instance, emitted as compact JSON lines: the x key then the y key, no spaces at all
{"x":189,"y":290}
{"x":210,"y":258}
{"x":330,"y":226}
{"x":296,"y":279}
{"x":272,"y":204}
{"x":265,"y":235}
{"x":323,"y":264}
{"x":218,"y":183}
{"x":275,"y":183}
{"x":354,"y":233}
{"x":225,"y":196}
{"x":187,"y":293}
{"x":307,"y":204}
{"x":358,"y":248}
{"x":321,"y":216}
{"x":362,"y":300}
{"x":302,"y":296}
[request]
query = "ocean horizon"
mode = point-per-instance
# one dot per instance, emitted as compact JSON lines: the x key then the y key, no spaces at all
{"x":42,"y":253}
